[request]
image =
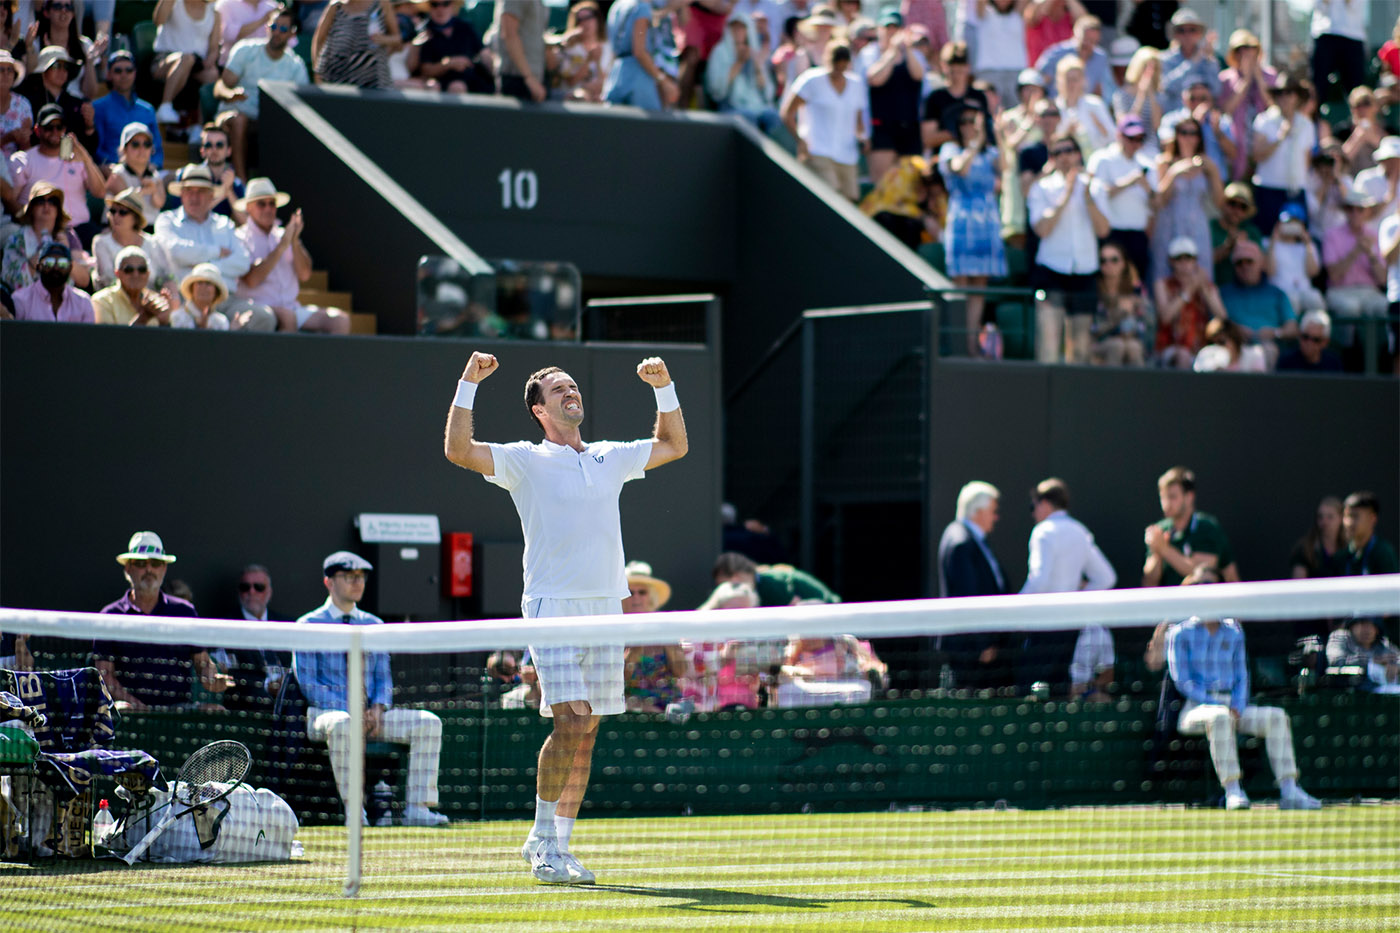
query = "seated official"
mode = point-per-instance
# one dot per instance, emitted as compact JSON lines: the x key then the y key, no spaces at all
{"x":1206,"y":660}
{"x":322,"y":678}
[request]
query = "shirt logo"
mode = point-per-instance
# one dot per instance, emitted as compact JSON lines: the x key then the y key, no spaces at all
{"x":598,"y":458}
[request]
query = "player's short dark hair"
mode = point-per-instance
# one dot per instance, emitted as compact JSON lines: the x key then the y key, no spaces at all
{"x":1053,"y":491}
{"x":1365,"y":499}
{"x":534,"y":394}
{"x":730,"y":563}
{"x":1178,"y":476}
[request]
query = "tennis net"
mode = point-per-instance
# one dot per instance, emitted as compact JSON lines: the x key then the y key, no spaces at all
{"x":775,"y":772}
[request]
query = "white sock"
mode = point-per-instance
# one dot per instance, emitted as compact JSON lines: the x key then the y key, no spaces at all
{"x":563,"y":829}
{"x":1288,"y":786}
{"x":544,"y":819}
{"x":1233,"y":787}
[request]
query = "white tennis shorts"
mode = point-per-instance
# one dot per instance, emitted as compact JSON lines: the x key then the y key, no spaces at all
{"x":570,"y":672}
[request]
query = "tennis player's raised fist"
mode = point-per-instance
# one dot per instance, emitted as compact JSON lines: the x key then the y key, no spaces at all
{"x":652,"y":371}
{"x":479,"y":367}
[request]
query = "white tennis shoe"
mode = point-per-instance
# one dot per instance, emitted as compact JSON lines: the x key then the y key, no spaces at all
{"x":1236,"y":800}
{"x":546,"y":861}
{"x":422,"y":816}
{"x":577,"y":873}
{"x":1299,"y":799}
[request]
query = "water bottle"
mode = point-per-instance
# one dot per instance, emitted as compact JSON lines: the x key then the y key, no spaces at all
{"x":382,"y":802}
{"x":946,"y":680}
{"x":102,"y":824}
{"x":989,"y":342}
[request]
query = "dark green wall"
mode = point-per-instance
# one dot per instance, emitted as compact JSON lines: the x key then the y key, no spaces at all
{"x":247,"y":447}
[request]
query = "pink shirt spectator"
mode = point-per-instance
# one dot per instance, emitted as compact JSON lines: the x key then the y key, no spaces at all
{"x":931,"y":15}
{"x":32,"y":303}
{"x":70,"y":177}
{"x":1337,"y":242}
{"x":1253,"y":104}
{"x":1047,"y":32}
{"x":234,"y":15}
{"x":280,"y":288}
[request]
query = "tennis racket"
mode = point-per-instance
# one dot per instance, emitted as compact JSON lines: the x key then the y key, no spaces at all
{"x":225,"y":763}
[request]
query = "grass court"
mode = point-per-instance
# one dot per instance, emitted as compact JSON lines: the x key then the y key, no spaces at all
{"x":1133,"y":869}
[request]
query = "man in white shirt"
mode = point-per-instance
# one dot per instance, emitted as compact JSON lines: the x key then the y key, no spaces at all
{"x":566,"y":492}
{"x":1381,"y":180}
{"x":194,"y":234}
{"x":1130,"y":180}
{"x":1067,"y":210}
{"x":1284,"y":138}
{"x":1065,"y":559}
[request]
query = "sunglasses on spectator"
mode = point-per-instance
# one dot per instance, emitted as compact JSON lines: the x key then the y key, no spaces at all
{"x":115,"y":211}
{"x":121,"y":70}
{"x":55,"y":262}
{"x":213,"y":144}
{"x":1311,"y":338}
{"x":352,"y":576}
{"x":1239,"y":205}
{"x":1188,"y":132}
{"x":441,"y":4}
{"x":1048,"y":113}
{"x":134,"y":270}
{"x":1244,"y":262}
{"x":141,"y":143}
{"x":1368,"y":102}
{"x":1064,"y":150}
{"x":1110,"y":260}
{"x":283,"y":28}
{"x":141,"y":564}
{"x":60,"y":7}
{"x":258,"y":587}
{"x":1183,"y":258}
{"x":41,"y":202}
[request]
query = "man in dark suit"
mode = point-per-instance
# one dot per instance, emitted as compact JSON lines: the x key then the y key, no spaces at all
{"x":967,"y":567}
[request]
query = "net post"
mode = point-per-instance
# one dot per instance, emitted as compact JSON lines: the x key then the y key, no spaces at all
{"x":354,"y":803}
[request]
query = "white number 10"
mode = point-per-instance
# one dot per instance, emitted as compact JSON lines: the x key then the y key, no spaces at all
{"x":518,"y":189}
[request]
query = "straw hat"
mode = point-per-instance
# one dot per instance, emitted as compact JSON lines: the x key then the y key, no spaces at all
{"x":192,"y":176}
{"x":41,"y":190}
{"x":204,"y":272}
{"x":639,"y":571}
{"x":259,"y":189}
{"x":1239,"y":191}
{"x":130,"y":198}
{"x":145,"y":545}
{"x":821,"y":16}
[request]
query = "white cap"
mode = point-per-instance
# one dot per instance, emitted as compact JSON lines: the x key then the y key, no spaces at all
{"x":1182,"y":246}
{"x":1388,"y":148}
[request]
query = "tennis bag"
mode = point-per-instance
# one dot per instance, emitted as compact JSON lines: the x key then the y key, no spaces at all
{"x":246,"y":826}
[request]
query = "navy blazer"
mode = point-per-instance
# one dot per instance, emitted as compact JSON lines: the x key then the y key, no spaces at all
{"x":963,"y":569}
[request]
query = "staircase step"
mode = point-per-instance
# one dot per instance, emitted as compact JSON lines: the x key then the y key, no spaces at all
{"x":177,"y":154}
{"x":326,"y":299}
{"x":320,"y":280}
{"x":363,"y":323}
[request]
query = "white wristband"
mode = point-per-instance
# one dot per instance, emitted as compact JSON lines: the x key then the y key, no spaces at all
{"x":466,"y":394}
{"x":666,"y":398}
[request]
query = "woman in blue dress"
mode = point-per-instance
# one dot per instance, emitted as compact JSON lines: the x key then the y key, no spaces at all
{"x":971,"y":169}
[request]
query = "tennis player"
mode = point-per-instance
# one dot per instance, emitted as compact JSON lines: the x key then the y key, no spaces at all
{"x":566,"y":492}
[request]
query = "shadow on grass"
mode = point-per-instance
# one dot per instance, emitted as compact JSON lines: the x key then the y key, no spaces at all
{"x":719,"y":900}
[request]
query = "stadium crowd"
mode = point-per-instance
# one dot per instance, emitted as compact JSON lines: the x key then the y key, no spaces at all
{"x":1169,"y":198}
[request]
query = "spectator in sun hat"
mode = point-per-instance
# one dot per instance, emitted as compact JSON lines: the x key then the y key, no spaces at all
{"x":142,"y":675}
{"x":44,"y":220}
{"x":203,"y":290}
{"x":1381,"y":181}
{"x":279,"y":265}
{"x":1329,"y":180}
{"x":1120,"y":53}
{"x":120,"y":107}
{"x":1235,"y":223}
{"x":193,"y":233}
{"x":130,"y":301}
{"x":1186,"y":299}
{"x":1283,"y":141}
{"x":47,"y":84}
{"x":1244,"y":93}
{"x":651,"y":671}
{"x":136,"y":169}
{"x":323,"y":679}
{"x":125,"y":218}
{"x":1190,"y":57}
{"x":1294,"y":261}
{"x":16,"y":113}
{"x":1355,"y":267}
{"x":53,"y":297}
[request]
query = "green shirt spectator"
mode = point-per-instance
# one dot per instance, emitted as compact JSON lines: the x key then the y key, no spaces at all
{"x":780,"y":584}
{"x":1225,"y":268}
{"x":1202,"y":535}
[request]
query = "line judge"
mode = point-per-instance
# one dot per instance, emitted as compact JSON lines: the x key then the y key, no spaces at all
{"x":566,"y":492}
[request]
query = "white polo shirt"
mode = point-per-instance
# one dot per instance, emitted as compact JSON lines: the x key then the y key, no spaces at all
{"x":832,"y":117}
{"x":1072,"y":248}
{"x":568,"y":506}
{"x":1287,"y":167}
{"x":1131,"y":209}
